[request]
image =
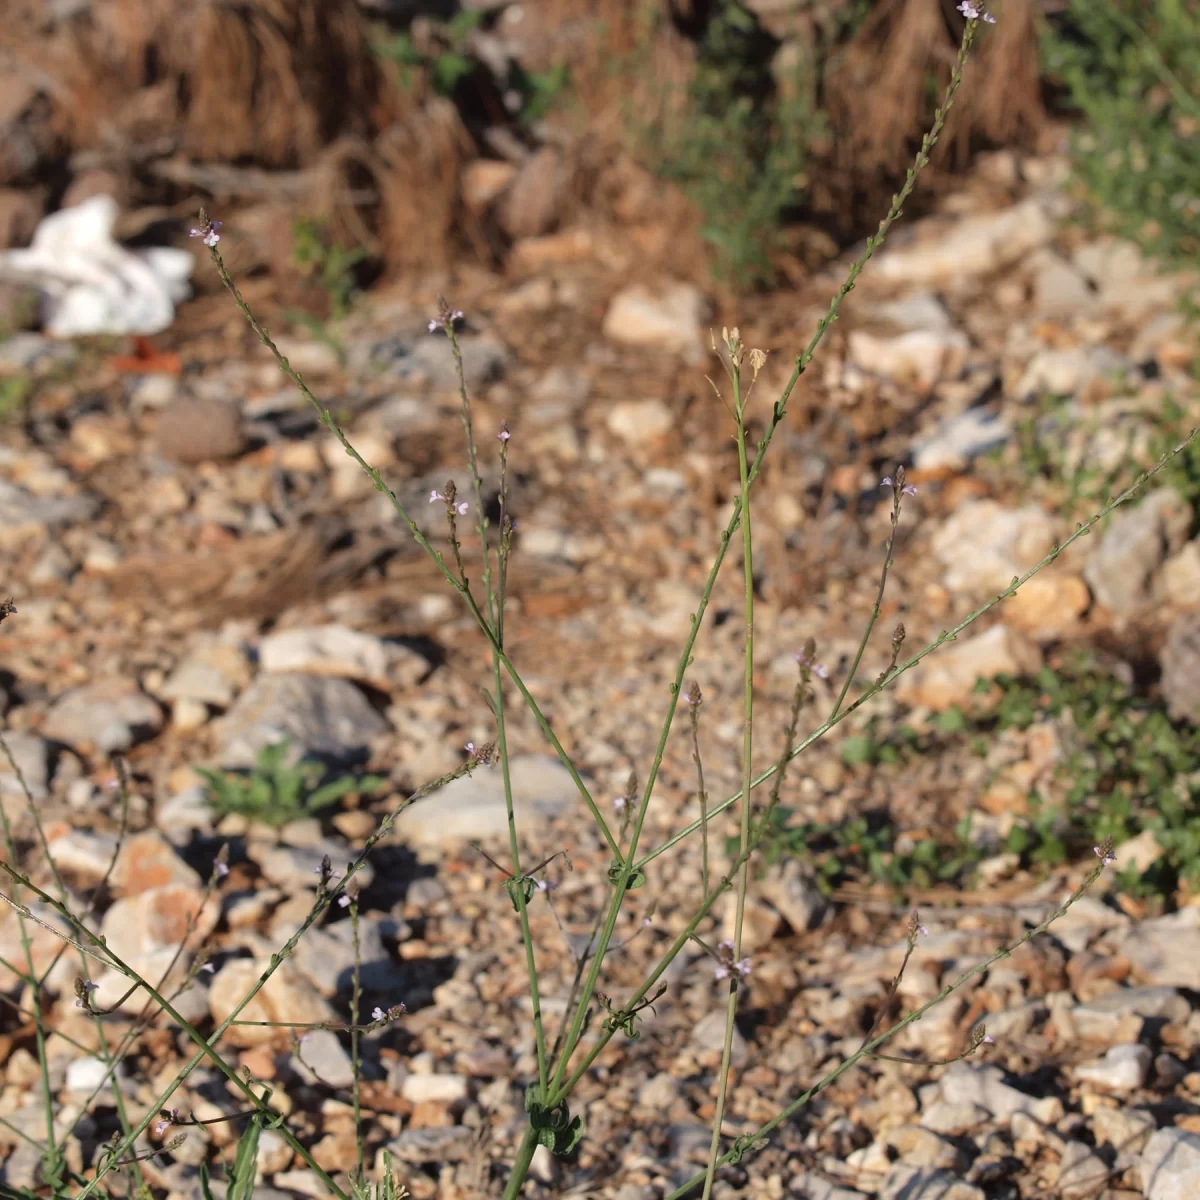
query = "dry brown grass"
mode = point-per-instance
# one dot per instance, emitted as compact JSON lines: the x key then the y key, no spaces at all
{"x":877,"y":92}
{"x":273,"y":81}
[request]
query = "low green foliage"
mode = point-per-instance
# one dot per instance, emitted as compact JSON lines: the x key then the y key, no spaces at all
{"x":1127,"y":768}
{"x":444,"y":57}
{"x":736,"y":145}
{"x":14,"y":394}
{"x":330,"y":266}
{"x":276,"y":792}
{"x":1132,"y":69}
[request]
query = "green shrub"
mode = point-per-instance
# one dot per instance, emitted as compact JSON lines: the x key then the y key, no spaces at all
{"x":1132,"y":69}
{"x":736,"y":146}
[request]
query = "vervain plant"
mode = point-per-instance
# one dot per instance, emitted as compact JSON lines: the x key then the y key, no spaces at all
{"x":592,"y":1018}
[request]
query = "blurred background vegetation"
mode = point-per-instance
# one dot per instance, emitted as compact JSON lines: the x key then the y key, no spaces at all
{"x":361,"y":137}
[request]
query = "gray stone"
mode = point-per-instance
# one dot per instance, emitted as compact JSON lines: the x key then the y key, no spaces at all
{"x":1180,"y":663}
{"x":199,"y":428}
{"x":299,"y":867}
{"x":708,"y":1034}
{"x":906,"y":1182}
{"x":942,"y":251}
{"x":1081,"y":1173}
{"x":970,"y":1083}
{"x":454,"y":1144}
{"x":336,"y":650}
{"x":473,"y":805}
{"x":1122,"y":1069}
{"x":790,"y":888}
{"x":325,"y":957}
{"x":323,"y":718}
{"x":323,"y":1060}
{"x":107,"y":716}
{"x":670,"y":318}
{"x":1170,"y":1166}
{"x":428,"y":357}
{"x":1135,"y":545}
{"x":1166,"y":950}
{"x":1127,"y":1130}
{"x":22,"y":514}
{"x":184,"y":812}
{"x":982,"y":544}
{"x":960,"y":439}
{"x":32,"y":757}
{"x":1066,"y":372}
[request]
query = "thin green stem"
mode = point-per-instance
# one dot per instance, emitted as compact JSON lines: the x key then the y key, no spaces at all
{"x":735,"y":352}
{"x":876,"y":608}
{"x":628,"y":864}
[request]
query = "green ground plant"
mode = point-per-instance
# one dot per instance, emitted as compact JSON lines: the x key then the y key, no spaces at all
{"x":276,"y":791}
{"x":1131,"y":69}
{"x":592,"y":1019}
{"x":1127,"y":768}
{"x":736,"y":145}
{"x":330,"y":266}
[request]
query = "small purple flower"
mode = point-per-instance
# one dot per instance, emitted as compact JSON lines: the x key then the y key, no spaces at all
{"x":208,"y":232}
{"x":807,"y":658}
{"x":504,"y":434}
{"x":461,"y":508}
{"x":973,"y":12}
{"x":987,"y":1040}
{"x":907,"y":489}
{"x":377,"y":1014}
{"x":620,"y":804}
{"x":1105,"y":854}
{"x":208,"y":967}
{"x":470,"y":748}
{"x":332,"y":874}
{"x":222,"y":869}
{"x":726,"y":965}
{"x":343,"y":901}
{"x":165,"y":1121}
{"x":451,"y":319}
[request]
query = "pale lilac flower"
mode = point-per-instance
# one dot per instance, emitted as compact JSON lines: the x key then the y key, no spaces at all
{"x":165,"y":1121}
{"x":543,"y":885}
{"x":331,"y":875}
{"x":973,"y":12}
{"x":343,"y":901}
{"x":619,"y":804}
{"x":470,"y":748}
{"x":726,"y":965}
{"x":922,"y":931}
{"x":208,"y":233}
{"x":504,"y":434}
{"x":377,"y":1014}
{"x":1105,"y":854}
{"x":208,"y":967}
{"x":450,"y":320}
{"x":907,"y":490}
{"x":820,"y":670}
{"x":461,"y":508}
{"x":222,"y":869}
{"x":987,"y":1040}
{"x":435,"y":496}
